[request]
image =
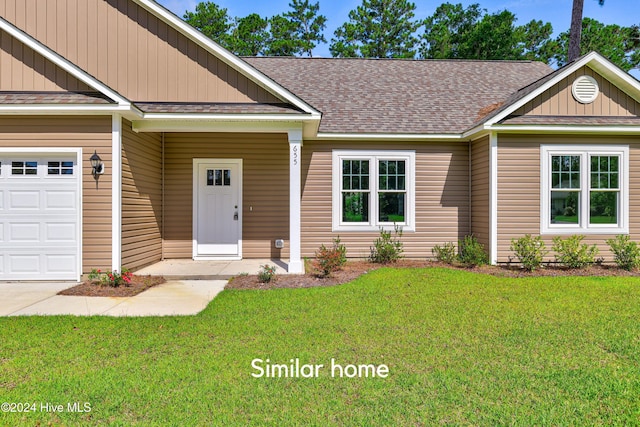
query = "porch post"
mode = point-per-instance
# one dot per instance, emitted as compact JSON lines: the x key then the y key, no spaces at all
{"x":295,"y":162}
{"x":116,"y":193}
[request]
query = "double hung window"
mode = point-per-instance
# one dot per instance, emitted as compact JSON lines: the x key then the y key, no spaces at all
{"x":373,"y":190}
{"x":584,"y":190}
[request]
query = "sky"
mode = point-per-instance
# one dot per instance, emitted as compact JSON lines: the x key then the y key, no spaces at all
{"x":558,"y":12}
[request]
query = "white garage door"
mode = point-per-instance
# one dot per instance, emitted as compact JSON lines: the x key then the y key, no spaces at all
{"x":39,"y":216}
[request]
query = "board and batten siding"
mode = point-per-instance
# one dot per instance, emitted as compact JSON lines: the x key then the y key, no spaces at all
{"x":88,"y":133}
{"x":131,"y":51}
{"x":23,"y":69}
{"x":480,"y":190}
{"x":141,"y":198}
{"x":442,"y":197}
{"x":558,"y":100}
{"x":519,"y":183}
{"x":265,"y":193}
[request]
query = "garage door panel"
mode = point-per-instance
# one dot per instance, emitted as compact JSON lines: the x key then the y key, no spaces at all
{"x":24,"y":232}
{"x":60,"y":264}
{"x":24,"y":200}
{"x":60,"y":200}
{"x":24,"y":263}
{"x":60,"y":232}
{"x":39,"y":217}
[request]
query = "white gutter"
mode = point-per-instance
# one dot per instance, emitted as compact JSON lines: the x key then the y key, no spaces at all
{"x":8,"y":109}
{"x":231,"y":117}
{"x":323,"y":136}
{"x":631,"y":129}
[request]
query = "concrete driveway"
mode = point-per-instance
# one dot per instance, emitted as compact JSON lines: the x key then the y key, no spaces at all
{"x":177,"y":297}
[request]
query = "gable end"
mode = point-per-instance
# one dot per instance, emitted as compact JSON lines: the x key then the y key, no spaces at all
{"x":558,"y":100}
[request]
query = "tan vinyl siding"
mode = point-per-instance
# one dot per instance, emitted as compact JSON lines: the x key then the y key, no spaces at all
{"x":519,"y":188}
{"x":22,"y":69}
{"x":131,"y":51}
{"x":141,"y":198}
{"x":442,"y":197}
{"x":265,"y":189}
{"x":558,"y":100}
{"x":480,"y":190}
{"x":88,"y":133}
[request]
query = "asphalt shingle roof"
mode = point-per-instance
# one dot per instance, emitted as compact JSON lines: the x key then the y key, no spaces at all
{"x":53,"y":98}
{"x":400,"y":96}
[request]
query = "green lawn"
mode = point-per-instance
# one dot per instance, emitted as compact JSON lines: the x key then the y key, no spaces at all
{"x":462,"y":349}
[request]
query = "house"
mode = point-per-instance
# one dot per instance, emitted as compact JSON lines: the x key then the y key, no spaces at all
{"x":200,"y":154}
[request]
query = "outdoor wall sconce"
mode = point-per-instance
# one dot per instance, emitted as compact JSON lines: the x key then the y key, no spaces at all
{"x":97,"y":167}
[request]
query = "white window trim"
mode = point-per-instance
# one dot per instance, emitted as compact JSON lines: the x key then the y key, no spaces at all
{"x":373,"y":156}
{"x":584,"y":151}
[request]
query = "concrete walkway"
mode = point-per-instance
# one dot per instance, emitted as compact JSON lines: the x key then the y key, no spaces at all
{"x":183,"y":297}
{"x":187,"y":269}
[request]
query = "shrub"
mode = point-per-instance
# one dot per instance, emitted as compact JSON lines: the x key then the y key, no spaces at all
{"x":445,"y":253}
{"x":331,"y":259}
{"x":111,"y":278}
{"x":387,"y":249}
{"x":626,"y":253}
{"x":471,"y":252}
{"x":529,"y":250}
{"x":267,"y":273}
{"x":572,"y":254}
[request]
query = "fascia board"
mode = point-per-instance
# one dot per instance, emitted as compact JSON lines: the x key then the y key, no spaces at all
{"x":219,"y":124}
{"x":322,"y":136}
{"x":625,"y":81}
{"x":226,"y":56}
{"x":61,"y":62}
{"x":577,"y":129}
{"x":66,"y":109}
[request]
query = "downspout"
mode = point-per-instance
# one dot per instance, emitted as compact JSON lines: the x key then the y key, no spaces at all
{"x":162,"y":204}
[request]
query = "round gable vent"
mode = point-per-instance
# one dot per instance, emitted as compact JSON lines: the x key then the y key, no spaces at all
{"x":585,"y":89}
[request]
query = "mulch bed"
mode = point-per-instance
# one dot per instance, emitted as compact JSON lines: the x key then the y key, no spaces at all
{"x":354,"y":269}
{"x":96,"y":289}
{"x":351,"y":271}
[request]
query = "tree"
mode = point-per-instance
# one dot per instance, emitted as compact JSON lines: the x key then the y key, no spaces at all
{"x":377,"y":29}
{"x":536,"y":41}
{"x":471,"y":33}
{"x":576,"y":29}
{"x":447,"y":29}
{"x":281,"y":41}
{"x":211,"y":20}
{"x":307,"y":25}
{"x":249,"y":36}
{"x":621,"y":45}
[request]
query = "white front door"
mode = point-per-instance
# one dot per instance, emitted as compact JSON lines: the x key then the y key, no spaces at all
{"x":217,"y":209}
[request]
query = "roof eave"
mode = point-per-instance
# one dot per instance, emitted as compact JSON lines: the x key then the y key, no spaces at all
{"x":128,"y":111}
{"x":342,"y":136}
{"x":207,"y":122}
{"x":566,"y":129}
